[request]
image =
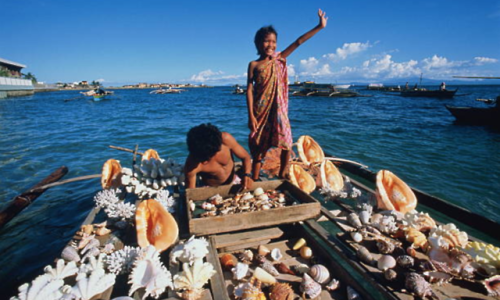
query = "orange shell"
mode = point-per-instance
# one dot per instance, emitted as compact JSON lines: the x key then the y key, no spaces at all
{"x":309,"y":151}
{"x":150,"y":153}
{"x":393,"y":193}
{"x":228,"y":261}
{"x":416,"y":237}
{"x":155,"y":225}
{"x":281,"y":291}
{"x":110,"y":175}
{"x":301,"y":178}
{"x":330,"y":175}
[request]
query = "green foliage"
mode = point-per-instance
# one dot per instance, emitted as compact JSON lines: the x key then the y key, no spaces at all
{"x":4,"y":72}
{"x":30,"y":77}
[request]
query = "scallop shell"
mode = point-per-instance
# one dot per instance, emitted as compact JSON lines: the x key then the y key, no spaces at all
{"x":299,"y":177}
{"x":281,"y":291}
{"x":150,"y":153}
{"x":330,"y":176}
{"x":492,"y":285}
{"x":263,"y":276}
{"x":306,"y":252}
{"x":111,"y":174}
{"x":309,"y":151}
{"x":155,"y":225}
{"x":310,"y":287}
{"x":240,"y":271}
{"x":283,"y":269}
{"x":299,"y":244}
{"x":386,"y":262}
{"x":228,"y":261}
{"x":319,"y":273}
{"x":276,"y":254}
{"x":393,"y":193}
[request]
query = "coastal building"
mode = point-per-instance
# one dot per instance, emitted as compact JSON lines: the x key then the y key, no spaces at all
{"x":11,"y":83}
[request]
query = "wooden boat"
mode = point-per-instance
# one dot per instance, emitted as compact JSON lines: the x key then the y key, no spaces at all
{"x":476,"y":115}
{"x":99,"y":97}
{"x":324,"y":90}
{"x":238,"y":90}
{"x":441,"y":94}
{"x":169,"y":90}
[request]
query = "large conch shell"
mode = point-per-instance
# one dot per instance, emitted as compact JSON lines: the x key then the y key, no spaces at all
{"x":150,"y":153}
{"x":330,"y":176}
{"x":111,"y":174}
{"x":301,"y":178}
{"x":309,"y":151}
{"x":393,"y":193}
{"x":155,"y":225}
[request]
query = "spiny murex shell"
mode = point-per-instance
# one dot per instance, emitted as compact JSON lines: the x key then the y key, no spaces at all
{"x":309,"y":150}
{"x":393,"y":193}
{"x":194,"y":277}
{"x":281,"y":291}
{"x":149,"y":273}
{"x":194,"y":248}
{"x":319,"y":273}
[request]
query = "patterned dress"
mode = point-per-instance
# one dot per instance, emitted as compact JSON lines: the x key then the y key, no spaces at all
{"x":270,"y":107}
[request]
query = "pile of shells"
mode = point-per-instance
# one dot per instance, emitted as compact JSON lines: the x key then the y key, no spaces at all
{"x":256,"y":274}
{"x":248,"y":202}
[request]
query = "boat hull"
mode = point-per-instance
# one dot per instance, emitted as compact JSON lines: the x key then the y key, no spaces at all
{"x":98,"y":98}
{"x":476,"y":115}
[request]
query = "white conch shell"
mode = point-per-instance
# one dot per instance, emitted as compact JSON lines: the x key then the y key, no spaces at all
{"x":193,"y":249}
{"x":43,"y":287}
{"x":96,"y":283}
{"x":150,"y":274}
{"x":194,"y":277}
{"x":62,"y":270}
{"x":240,"y":271}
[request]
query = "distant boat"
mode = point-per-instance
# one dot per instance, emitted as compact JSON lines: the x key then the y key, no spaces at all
{"x":169,"y":90}
{"x":99,"y":97}
{"x":342,"y":86}
{"x":476,"y":115}
{"x":441,"y":94}
{"x":324,"y":90}
{"x":238,"y":90}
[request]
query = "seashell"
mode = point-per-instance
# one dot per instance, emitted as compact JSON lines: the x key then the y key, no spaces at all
{"x":62,"y":270}
{"x":309,"y":151}
{"x":111,"y":174}
{"x":193,"y":278}
{"x":492,"y":285}
{"x":306,"y":252}
{"x":420,"y":221}
{"x":386,"y":224}
{"x":69,"y":253}
{"x":228,"y":261}
{"x":246,"y":196}
{"x":390,"y":274}
{"x":354,"y":220}
{"x":310,"y":287}
{"x":263,"y":276}
{"x":364,"y":217}
{"x":87,"y":229}
{"x":437,"y":277}
{"x":150,"y":153}
{"x":352,"y":294}
{"x":96,"y":283}
{"x":405,"y":261}
{"x":299,"y":177}
{"x":102,"y":231}
{"x":393,"y":193}
{"x":263,"y":250}
{"x":252,"y":291}
{"x":258,"y":191}
{"x":276,"y":254}
{"x":332,"y":285}
{"x":207,"y":206}
{"x":240,"y":271}
{"x":386,"y":262}
{"x":283,"y":269}
{"x":155,"y":225}
{"x":330,"y":176}
{"x":417,"y":285}
{"x":483,"y":253}
{"x":451,"y":234}
{"x":269,"y":268}
{"x":301,"y":268}
{"x":189,"y":251}
{"x":281,"y":291}
{"x":416,"y":237}
{"x":385,"y":246}
{"x":319,"y":273}
{"x":411,"y":251}
{"x":356,"y":236}
{"x":364,"y":255}
{"x":192,"y":206}
{"x":299,"y":244}
{"x":246,"y":256}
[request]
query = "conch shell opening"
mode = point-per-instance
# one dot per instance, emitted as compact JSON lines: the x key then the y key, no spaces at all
{"x":309,"y":151}
{"x":111,"y":174}
{"x":155,"y":225}
{"x":150,"y":153}
{"x":301,"y":178}
{"x":330,"y":176}
{"x":393,"y":193}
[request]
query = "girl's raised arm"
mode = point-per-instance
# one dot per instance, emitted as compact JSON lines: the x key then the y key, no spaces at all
{"x":322,"y":24}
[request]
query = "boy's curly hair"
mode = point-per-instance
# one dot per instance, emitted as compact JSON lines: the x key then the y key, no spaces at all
{"x":204,"y":141}
{"x":261,"y":35}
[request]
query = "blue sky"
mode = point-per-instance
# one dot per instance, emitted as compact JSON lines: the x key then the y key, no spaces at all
{"x":211,"y":42}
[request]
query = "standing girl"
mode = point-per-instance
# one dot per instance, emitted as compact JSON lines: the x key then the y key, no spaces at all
{"x":267,"y":97}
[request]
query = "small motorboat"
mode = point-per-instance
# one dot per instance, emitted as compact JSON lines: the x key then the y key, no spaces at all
{"x":238,"y":90}
{"x":168,"y":90}
{"x":478,"y":115}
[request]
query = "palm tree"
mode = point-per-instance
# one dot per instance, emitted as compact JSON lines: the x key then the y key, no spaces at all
{"x":31,"y":77}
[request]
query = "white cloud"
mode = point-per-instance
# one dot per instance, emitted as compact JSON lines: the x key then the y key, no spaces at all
{"x":484,"y":60}
{"x":347,"y":49}
{"x":100,"y":80}
{"x":209,"y":76}
{"x":290,"y":70}
{"x":205,"y":75}
{"x":309,"y":65}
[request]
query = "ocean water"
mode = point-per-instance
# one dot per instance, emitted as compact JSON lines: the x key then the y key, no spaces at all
{"x":415,"y":138}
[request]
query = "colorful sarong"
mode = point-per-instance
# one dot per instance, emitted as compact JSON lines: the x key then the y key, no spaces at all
{"x":270,"y":107}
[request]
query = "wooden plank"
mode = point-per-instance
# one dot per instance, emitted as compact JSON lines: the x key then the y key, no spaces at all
{"x":217,"y":285}
{"x":244,"y":246}
{"x":231,"y":239}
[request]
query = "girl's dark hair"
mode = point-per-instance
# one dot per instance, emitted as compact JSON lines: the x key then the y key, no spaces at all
{"x":261,"y":35}
{"x":204,"y":141}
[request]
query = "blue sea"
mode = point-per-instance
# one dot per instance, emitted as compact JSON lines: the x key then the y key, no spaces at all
{"x":415,"y":138}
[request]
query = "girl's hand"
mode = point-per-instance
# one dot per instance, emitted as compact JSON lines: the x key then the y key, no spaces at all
{"x":252,"y":124}
{"x":322,"y":18}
